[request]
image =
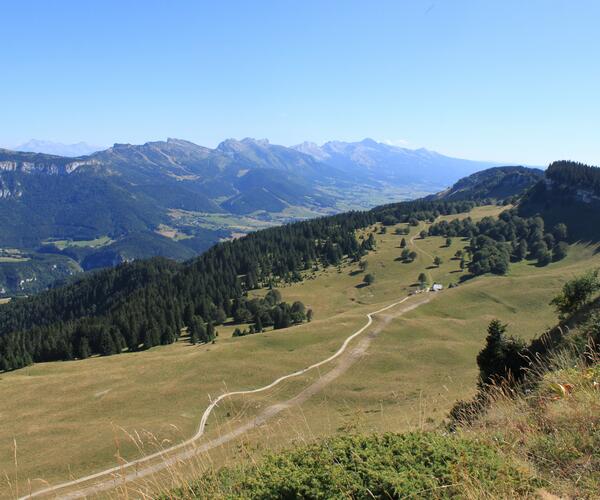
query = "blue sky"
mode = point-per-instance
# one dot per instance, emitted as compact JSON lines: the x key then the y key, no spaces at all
{"x":514,"y":81}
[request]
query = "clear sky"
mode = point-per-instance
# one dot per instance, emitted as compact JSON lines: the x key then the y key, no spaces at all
{"x":515,"y":81}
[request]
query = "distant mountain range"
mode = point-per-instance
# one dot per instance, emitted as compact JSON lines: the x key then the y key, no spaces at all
{"x":58,"y":148}
{"x":175,"y":198}
{"x":380,"y":162}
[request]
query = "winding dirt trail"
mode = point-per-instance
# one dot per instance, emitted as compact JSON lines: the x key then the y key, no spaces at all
{"x":115,"y":477}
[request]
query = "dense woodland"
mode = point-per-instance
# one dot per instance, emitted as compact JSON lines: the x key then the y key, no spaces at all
{"x":495,"y":242}
{"x":573,"y":174}
{"x":149,"y":302}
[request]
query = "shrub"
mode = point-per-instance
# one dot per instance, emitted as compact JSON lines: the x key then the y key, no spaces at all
{"x":576,"y":293}
{"x":412,"y":465}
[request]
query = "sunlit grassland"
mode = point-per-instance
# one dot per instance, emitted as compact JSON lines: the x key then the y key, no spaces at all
{"x":69,"y":418}
{"x":10,"y":260}
{"x":95,"y":243}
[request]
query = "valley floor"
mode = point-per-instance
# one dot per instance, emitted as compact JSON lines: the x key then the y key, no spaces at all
{"x":65,"y":420}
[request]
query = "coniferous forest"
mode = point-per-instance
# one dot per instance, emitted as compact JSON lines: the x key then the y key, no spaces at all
{"x":146,"y":303}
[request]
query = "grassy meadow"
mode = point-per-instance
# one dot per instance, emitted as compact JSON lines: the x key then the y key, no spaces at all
{"x":69,"y":419}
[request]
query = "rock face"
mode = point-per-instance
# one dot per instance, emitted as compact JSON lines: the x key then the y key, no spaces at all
{"x":33,"y":163}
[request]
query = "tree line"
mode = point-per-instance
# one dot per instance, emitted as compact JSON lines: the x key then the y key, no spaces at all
{"x":574,"y":174}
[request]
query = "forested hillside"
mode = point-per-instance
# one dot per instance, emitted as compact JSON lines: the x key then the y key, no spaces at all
{"x":145,"y":303}
{"x":498,"y":183}
{"x":569,"y":193}
{"x":138,"y":305}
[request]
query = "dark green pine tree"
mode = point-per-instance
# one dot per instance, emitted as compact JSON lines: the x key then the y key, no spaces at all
{"x":107,"y":345}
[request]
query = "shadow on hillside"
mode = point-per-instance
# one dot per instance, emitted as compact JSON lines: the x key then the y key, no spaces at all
{"x":466,"y":278}
{"x":361,"y":285}
{"x":354,"y":273}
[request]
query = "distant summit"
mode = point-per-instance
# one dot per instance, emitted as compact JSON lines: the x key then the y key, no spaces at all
{"x":58,"y":148}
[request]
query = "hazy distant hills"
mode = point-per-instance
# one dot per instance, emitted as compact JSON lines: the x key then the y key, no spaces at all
{"x":58,"y":148}
{"x":378,"y":162}
{"x":176,"y":198}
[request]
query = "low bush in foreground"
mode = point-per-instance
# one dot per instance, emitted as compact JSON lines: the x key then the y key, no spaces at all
{"x":412,"y":465}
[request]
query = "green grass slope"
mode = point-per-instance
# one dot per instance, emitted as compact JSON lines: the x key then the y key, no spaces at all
{"x":70,"y":418}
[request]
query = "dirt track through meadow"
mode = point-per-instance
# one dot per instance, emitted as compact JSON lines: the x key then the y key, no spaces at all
{"x":135,"y":470}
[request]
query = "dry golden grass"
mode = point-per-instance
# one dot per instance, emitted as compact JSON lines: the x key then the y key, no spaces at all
{"x":554,"y":429}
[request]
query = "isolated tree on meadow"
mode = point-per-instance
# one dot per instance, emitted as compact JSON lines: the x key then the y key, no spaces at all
{"x":422,"y":279}
{"x":448,"y":242}
{"x":502,"y":356}
{"x":403,"y":243}
{"x":576,"y":293}
{"x":369,"y":279}
{"x":362,"y":265}
{"x":437,"y":261}
{"x":423,"y":234}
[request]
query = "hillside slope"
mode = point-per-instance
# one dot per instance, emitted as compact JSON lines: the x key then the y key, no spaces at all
{"x":417,"y":365}
{"x":570,"y":193}
{"x":497,"y":183}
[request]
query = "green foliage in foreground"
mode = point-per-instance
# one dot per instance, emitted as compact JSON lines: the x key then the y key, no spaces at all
{"x":576,"y":293}
{"x":412,"y":465}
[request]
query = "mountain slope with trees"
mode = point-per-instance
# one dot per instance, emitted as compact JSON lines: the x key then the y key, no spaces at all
{"x":497,"y":183}
{"x":569,"y":193}
{"x":148,"y":302}
{"x":196,"y":196}
{"x":168,"y":297}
